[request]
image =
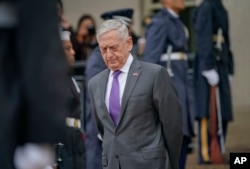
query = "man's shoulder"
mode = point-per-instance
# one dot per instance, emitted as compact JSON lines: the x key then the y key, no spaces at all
{"x":205,"y":6}
{"x":151,"y":67}
{"x":160,"y":13}
{"x":161,"y":18}
{"x":98,"y":76}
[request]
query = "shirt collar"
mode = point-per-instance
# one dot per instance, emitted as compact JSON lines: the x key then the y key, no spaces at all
{"x":126,"y":66}
{"x":173,"y":13}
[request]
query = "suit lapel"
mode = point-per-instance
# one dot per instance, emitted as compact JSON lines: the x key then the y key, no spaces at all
{"x":133,"y":75}
{"x":103,"y":88}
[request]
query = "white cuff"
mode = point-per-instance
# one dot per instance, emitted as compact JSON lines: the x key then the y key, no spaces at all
{"x":211,"y":76}
{"x":32,"y":156}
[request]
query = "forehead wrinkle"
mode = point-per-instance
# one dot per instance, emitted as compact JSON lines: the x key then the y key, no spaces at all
{"x":105,"y":45}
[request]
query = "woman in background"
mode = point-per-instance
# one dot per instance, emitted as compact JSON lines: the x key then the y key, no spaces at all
{"x":85,"y":40}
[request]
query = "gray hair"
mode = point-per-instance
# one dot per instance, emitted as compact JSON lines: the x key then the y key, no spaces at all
{"x":113,"y":24}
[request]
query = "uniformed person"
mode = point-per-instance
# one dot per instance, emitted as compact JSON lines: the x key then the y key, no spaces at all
{"x":166,"y":45}
{"x":211,"y":27}
{"x":32,"y":83}
{"x":73,"y":151}
{"x":95,"y":65}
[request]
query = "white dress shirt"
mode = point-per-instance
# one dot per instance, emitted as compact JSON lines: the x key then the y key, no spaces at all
{"x":122,"y":78}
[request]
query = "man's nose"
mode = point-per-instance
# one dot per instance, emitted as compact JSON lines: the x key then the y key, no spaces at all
{"x":109,"y":52}
{"x":72,"y":51}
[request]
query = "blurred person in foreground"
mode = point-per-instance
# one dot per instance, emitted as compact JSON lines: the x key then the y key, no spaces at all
{"x":95,"y":65}
{"x":139,"y":118}
{"x":166,"y":45}
{"x":32,"y":83}
{"x":213,"y":67}
{"x":73,"y":151}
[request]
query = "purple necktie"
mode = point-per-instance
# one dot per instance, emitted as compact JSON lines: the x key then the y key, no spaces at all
{"x":114,"y":98}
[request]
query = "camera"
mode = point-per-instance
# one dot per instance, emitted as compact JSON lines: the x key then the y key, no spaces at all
{"x":91,"y":30}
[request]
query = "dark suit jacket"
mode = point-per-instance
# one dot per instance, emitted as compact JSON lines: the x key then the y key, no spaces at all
{"x":149,"y":131}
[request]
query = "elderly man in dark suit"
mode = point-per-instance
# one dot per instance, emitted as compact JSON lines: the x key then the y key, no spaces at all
{"x":135,"y":106}
{"x":94,"y":66}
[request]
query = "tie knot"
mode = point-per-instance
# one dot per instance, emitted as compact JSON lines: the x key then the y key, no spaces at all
{"x":116,"y":73}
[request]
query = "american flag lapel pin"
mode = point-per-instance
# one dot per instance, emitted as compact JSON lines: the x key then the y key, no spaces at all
{"x":135,"y":74}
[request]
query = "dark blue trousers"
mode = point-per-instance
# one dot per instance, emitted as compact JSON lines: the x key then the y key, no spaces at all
{"x":184,"y":152}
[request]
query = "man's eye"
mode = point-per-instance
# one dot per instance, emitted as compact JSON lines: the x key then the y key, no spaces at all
{"x":114,"y":48}
{"x":102,"y":50}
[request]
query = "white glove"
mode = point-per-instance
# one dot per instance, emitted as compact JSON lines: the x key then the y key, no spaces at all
{"x":211,"y":76}
{"x":33,"y":156}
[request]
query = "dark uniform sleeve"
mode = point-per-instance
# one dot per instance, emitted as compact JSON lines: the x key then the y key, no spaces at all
{"x":230,"y":55}
{"x":95,"y":63}
{"x":42,"y":71}
{"x":156,"y":36}
{"x":204,"y":32}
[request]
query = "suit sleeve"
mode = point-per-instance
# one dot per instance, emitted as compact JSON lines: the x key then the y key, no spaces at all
{"x":156,"y":36}
{"x":204,"y":32}
{"x":170,"y":115}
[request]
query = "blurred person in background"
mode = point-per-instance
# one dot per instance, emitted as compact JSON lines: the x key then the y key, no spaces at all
{"x":142,"y":40}
{"x":32,"y":83}
{"x":166,"y":45}
{"x":85,"y":40}
{"x":73,"y":151}
{"x":95,"y":65}
{"x":212,"y":69}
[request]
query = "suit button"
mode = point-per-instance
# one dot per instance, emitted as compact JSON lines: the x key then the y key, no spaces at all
{"x":116,"y":156}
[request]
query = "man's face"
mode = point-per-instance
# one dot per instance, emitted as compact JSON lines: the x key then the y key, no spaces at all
{"x":176,"y":5}
{"x":69,"y":51}
{"x":115,"y":51}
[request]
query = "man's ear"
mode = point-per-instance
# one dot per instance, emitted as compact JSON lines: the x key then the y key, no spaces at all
{"x":129,"y":43}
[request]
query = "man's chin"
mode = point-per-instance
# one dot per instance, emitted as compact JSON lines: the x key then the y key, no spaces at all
{"x":113,"y":67}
